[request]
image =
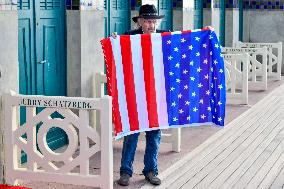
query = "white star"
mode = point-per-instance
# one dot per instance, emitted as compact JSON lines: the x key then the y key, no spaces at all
{"x":183,"y":56}
{"x":177,"y":65}
{"x":176,"y":49}
{"x":215,"y":62}
{"x":175,"y":119}
{"x":215,"y":94}
{"x":211,"y":69}
{"x":197,"y":38}
{"x":204,"y":45}
{"x":206,"y":76}
{"x":185,"y":71}
{"x":200,"y":85}
{"x":220,"y":86}
{"x":183,"y":40}
{"x":187,"y":103}
{"x":190,"y":47}
{"x":221,"y":55}
{"x":193,"y":94}
{"x":216,"y":45}
{"x":219,"y":103}
{"x":188,"y":118}
{"x":195,"y":109}
{"x":215,"y":78}
{"x":185,"y":87}
{"x":221,"y":71}
{"x":171,"y":73}
{"x":208,"y":92}
{"x":172,"y":88}
{"x":178,"y":80}
{"x":219,"y":119}
{"x":179,"y":95}
{"x":211,"y":85}
{"x":205,"y":61}
{"x":209,"y":108}
{"x":212,"y":101}
{"x":201,"y":101}
{"x":210,"y":37}
{"x":211,"y":53}
{"x":213,"y":117}
{"x":198,"y":69}
{"x":181,"y":111}
{"x":173,"y":104}
{"x":198,"y":54}
{"x":192,"y":78}
{"x":170,"y":57}
{"x":169,"y":42}
{"x":191,"y":63}
{"x":203,"y":116}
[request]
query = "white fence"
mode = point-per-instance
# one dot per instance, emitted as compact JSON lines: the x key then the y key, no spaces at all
{"x":237,"y":77}
{"x":174,"y":137}
{"x":274,"y":56}
{"x":70,"y":166}
{"x":257,"y":68}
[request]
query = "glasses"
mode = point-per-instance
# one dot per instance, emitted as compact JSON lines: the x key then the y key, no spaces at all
{"x":150,"y":21}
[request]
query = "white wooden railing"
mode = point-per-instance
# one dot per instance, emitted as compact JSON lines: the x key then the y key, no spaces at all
{"x":274,"y":56}
{"x":173,"y":137}
{"x":237,"y":77}
{"x":258,"y":65}
{"x":46,"y":165}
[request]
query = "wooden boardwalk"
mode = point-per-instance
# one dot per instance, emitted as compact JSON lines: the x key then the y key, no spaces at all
{"x":247,"y":153}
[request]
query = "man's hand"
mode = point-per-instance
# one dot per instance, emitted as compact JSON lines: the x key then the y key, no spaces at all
{"x":210,"y":28}
{"x":114,"y":35}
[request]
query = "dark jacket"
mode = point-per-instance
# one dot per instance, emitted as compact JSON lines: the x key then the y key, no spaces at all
{"x":139,"y":31}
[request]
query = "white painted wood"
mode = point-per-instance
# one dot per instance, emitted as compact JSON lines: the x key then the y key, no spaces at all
{"x":272,"y":174}
{"x":99,"y":79}
{"x":234,"y":160}
{"x":273,"y":59}
{"x":267,"y":166}
{"x":237,"y":78}
{"x":41,"y":166}
{"x":254,"y":124}
{"x":257,"y":70}
{"x":213,"y":160}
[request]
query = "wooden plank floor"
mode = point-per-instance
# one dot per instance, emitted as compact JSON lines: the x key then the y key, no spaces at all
{"x":247,"y":153}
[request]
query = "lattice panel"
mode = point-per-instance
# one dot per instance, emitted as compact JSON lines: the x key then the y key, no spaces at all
{"x":49,"y":4}
{"x":274,"y":56}
{"x":237,"y":77}
{"x":258,"y":65}
{"x":71,"y":166}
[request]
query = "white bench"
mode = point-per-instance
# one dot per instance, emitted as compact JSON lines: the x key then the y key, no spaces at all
{"x":237,"y":77}
{"x":173,"y":137}
{"x":257,"y":69}
{"x":274,"y":56}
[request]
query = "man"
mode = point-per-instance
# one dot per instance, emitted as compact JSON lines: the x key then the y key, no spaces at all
{"x":147,"y":22}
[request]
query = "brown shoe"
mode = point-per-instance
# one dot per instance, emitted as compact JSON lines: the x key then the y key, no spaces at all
{"x":153,"y":179}
{"x":124,"y":179}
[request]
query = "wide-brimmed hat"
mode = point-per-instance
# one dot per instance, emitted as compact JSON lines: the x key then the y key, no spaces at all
{"x":148,"y":12}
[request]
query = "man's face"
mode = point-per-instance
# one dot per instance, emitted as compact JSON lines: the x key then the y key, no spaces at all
{"x":148,"y":25}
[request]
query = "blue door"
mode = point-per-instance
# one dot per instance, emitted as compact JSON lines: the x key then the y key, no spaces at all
{"x":50,"y":47}
{"x":42,"y":54}
{"x":165,"y":7}
{"x":118,"y":16}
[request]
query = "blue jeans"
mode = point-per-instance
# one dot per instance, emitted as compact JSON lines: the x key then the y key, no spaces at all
{"x":151,"y":152}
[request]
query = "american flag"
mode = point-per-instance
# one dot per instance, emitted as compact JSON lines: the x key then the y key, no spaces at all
{"x":168,"y":80}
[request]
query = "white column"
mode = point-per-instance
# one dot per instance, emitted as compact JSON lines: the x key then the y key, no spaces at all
{"x":9,"y":67}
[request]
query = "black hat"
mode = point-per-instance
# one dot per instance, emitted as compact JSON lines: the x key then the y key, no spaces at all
{"x":148,"y":12}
